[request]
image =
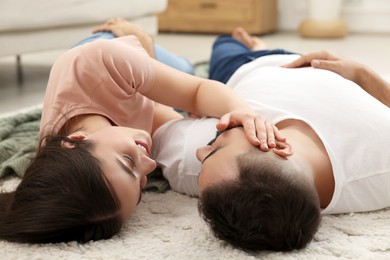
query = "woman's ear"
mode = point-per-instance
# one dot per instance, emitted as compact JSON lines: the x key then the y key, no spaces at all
{"x":78,"y":136}
{"x":283,"y":149}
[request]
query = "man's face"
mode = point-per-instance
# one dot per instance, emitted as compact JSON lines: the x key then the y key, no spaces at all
{"x":218,"y":158}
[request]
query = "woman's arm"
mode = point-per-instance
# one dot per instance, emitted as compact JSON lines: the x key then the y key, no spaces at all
{"x":193,"y":94}
{"x":163,"y":114}
{"x":211,"y":98}
{"x":365,"y":77}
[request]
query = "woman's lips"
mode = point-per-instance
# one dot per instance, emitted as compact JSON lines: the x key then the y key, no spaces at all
{"x":145,"y":146}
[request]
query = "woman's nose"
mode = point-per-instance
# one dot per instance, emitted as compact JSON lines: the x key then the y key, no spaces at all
{"x":146,"y":165}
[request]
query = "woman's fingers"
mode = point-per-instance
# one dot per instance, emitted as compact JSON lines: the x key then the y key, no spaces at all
{"x":259,"y":131}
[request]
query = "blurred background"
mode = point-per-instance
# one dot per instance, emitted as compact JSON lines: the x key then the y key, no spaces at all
{"x":34,"y":33}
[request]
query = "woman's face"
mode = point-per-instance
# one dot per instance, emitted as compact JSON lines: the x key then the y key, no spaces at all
{"x":124,"y":156}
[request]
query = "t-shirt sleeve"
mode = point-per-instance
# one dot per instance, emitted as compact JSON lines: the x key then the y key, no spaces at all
{"x":174,"y":149}
{"x":107,"y":77}
{"x":126,"y":64}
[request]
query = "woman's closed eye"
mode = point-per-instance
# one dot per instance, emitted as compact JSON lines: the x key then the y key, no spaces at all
{"x":129,"y":170}
{"x":127,"y":164}
{"x":130,"y":160}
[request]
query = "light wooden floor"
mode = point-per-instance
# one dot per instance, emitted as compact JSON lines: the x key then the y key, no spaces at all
{"x":371,"y":49}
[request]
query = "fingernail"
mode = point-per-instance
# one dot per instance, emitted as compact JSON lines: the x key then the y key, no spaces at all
{"x":315,"y":63}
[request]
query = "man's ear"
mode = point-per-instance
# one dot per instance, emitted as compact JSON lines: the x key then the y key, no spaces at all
{"x":78,"y":136}
{"x":283,"y":149}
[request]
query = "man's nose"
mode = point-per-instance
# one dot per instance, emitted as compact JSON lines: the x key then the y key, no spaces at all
{"x":202,"y":152}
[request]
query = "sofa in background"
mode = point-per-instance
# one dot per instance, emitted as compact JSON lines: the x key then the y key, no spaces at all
{"x":31,"y":26}
{"x":40,"y":25}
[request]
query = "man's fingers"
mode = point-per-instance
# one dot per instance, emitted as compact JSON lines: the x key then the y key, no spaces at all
{"x":300,"y":62}
{"x":307,"y":59}
{"x":325,"y":64}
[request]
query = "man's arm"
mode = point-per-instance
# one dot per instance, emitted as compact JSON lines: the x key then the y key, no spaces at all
{"x":365,"y":77}
{"x":374,"y":84}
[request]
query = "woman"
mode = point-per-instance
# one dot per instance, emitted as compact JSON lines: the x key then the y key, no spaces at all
{"x":95,"y":137}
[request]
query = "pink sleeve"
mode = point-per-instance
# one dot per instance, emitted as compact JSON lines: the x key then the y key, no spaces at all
{"x":126,"y":64}
{"x":100,"y":77}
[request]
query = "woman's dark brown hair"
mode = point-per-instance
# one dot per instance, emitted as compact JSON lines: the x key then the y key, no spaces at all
{"x":63,"y":196}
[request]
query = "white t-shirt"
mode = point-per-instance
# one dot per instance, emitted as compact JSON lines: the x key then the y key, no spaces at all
{"x":353,"y":126}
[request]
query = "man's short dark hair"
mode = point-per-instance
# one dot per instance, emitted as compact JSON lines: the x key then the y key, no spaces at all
{"x":270,"y":206}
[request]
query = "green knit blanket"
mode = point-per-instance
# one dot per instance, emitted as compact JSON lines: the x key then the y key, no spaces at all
{"x":18,"y":143}
{"x":18,"y":140}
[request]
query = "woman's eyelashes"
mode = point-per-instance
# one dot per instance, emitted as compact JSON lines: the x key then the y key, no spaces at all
{"x":129,"y":159}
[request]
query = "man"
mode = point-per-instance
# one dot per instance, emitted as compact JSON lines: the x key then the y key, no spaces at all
{"x":335,"y":159}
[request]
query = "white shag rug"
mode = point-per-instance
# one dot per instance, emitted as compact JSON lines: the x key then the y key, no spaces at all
{"x":167,"y":226}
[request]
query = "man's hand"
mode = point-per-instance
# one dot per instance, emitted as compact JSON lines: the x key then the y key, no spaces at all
{"x":259,"y":130}
{"x":329,"y":61}
{"x":363,"y":76}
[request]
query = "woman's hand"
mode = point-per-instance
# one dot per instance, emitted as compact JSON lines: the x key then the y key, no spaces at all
{"x":329,"y":61}
{"x":259,"y":131}
{"x":121,"y":27}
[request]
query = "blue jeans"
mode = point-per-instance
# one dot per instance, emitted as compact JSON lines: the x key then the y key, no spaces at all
{"x":162,"y":55}
{"x":229,"y":54}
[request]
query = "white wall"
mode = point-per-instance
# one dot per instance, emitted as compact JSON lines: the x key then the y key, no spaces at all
{"x":372,"y":16}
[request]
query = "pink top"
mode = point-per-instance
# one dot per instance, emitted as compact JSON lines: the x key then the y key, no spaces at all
{"x":104,"y":77}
